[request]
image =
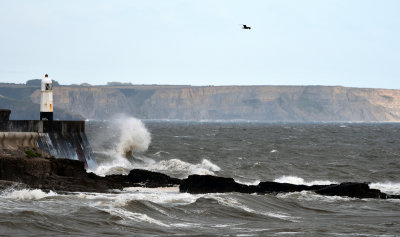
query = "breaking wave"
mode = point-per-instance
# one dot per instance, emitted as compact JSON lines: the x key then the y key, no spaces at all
{"x":387,"y":187}
{"x":175,"y":167}
{"x":122,"y":149}
{"x":27,"y":194}
{"x":121,"y":138}
{"x":300,"y":181}
{"x":133,"y":135}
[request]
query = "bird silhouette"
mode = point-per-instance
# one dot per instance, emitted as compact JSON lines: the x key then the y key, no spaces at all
{"x":245,"y":27}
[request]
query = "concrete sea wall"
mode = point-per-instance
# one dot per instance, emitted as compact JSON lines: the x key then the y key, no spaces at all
{"x":13,"y":140}
{"x":61,"y":139}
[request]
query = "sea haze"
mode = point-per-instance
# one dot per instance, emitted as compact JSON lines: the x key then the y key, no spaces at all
{"x":249,"y":152}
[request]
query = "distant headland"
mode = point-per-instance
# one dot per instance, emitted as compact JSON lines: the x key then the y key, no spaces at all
{"x":183,"y":102}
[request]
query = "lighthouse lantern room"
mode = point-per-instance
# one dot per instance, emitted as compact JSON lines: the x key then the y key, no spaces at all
{"x":46,"y":99}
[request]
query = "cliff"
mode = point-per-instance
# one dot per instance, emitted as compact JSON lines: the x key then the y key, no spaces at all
{"x":266,"y":103}
{"x":17,"y":98}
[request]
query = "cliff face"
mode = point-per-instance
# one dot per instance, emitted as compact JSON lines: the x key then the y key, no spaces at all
{"x":18,"y":100}
{"x":268,"y":103}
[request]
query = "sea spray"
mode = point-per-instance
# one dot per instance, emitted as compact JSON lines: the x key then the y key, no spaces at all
{"x":133,"y":135}
{"x":28,"y":194}
{"x":123,"y":137}
{"x":125,"y":141}
{"x":178,"y":168}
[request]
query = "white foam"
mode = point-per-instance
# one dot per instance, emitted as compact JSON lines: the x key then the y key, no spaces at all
{"x":177,"y":167}
{"x":128,"y":135}
{"x":273,"y":151}
{"x":116,"y":203}
{"x":300,"y":181}
{"x":311,"y":196}
{"x":119,"y":165}
{"x":167,"y":195}
{"x":28,"y":194}
{"x":133,"y":137}
{"x":255,"y":182}
{"x":139,"y":217}
{"x":289,"y":233}
{"x":184,"y":169}
{"x":387,"y":187}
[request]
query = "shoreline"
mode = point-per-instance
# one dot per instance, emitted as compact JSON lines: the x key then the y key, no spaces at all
{"x":64,"y":175}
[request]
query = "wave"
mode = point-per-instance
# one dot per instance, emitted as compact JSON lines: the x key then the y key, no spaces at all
{"x":132,"y":135}
{"x":126,"y":139}
{"x":175,"y":167}
{"x":134,"y":216}
{"x":233,"y":203}
{"x":387,"y":187}
{"x":311,"y":196}
{"x":27,"y":194}
{"x":300,"y":181}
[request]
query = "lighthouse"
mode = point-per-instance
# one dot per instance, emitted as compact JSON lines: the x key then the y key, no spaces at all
{"x":46,"y":99}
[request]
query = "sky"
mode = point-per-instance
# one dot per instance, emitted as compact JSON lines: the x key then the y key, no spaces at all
{"x":354,"y":43}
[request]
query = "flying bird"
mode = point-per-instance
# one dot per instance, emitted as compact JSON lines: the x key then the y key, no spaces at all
{"x":245,"y":27}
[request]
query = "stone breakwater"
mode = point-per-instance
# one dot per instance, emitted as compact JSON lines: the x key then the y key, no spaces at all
{"x":61,"y":139}
{"x":64,"y":175}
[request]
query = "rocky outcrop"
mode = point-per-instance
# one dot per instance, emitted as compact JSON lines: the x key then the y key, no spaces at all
{"x":70,"y":175}
{"x":64,"y":175}
{"x":197,"y":184}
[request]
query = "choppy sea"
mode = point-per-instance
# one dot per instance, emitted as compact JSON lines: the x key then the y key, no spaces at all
{"x":317,"y":153}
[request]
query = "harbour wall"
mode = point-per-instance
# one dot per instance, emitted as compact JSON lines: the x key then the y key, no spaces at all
{"x":61,"y":139}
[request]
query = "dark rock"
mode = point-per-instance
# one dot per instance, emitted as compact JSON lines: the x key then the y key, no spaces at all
{"x":273,"y":187}
{"x":393,"y":196}
{"x":212,"y":184}
{"x":64,"y":175}
{"x":151,"y":179}
{"x":356,"y":190}
{"x":5,"y":114}
{"x":4,"y":184}
{"x":70,"y":175}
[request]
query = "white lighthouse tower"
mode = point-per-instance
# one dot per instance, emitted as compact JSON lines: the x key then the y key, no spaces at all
{"x":46,"y":99}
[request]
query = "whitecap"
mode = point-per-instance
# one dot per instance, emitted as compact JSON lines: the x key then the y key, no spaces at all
{"x":312,"y":196}
{"x":300,"y":181}
{"x":387,"y":187}
{"x":139,"y":217}
{"x":28,"y":194}
{"x":255,"y":182}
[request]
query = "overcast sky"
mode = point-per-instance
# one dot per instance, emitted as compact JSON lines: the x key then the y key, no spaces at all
{"x":200,"y":42}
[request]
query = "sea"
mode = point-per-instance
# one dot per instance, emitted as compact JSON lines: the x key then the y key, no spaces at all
{"x":249,"y":152}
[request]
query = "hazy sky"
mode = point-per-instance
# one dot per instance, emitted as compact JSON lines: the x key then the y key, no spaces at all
{"x":200,"y":42}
